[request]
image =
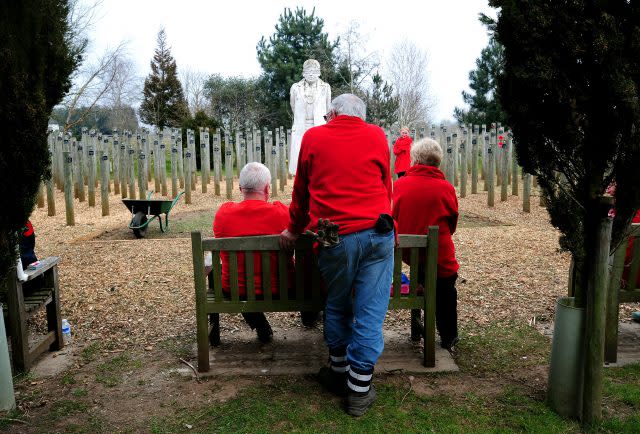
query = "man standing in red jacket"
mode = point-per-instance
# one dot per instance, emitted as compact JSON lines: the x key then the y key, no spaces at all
{"x":423,"y":198}
{"x":343,"y":175}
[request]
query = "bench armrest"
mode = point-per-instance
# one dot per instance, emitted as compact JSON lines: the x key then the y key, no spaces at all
{"x":45,"y":264}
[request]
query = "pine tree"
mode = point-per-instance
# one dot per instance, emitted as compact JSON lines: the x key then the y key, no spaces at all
{"x":163,"y":99}
{"x":484,"y":106}
{"x":382,"y":105}
{"x":571,"y":88}
{"x":298,"y":37}
{"x":39,"y":55}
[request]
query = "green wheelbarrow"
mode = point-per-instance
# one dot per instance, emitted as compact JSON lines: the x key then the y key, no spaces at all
{"x":141,"y":208}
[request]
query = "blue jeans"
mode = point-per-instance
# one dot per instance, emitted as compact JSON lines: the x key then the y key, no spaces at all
{"x":358,"y":273}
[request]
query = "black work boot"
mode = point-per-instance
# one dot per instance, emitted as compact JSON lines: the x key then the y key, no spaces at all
{"x":358,"y":403}
{"x":332,"y":381}
{"x":258,"y":321}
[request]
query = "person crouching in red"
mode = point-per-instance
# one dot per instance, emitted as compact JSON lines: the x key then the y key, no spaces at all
{"x":423,"y":198}
{"x":254,"y":216}
{"x":401,"y":149}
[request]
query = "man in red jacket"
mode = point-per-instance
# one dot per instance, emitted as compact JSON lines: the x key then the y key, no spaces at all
{"x":423,"y":198}
{"x":343,"y":175}
{"x":255,"y":215}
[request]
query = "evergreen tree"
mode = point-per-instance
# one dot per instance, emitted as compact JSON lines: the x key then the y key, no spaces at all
{"x":38,"y":58}
{"x":163,"y":99}
{"x":382,"y":105}
{"x":484,"y":105}
{"x":570,"y":88}
{"x":298,"y":37}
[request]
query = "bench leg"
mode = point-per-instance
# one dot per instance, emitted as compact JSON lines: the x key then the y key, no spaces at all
{"x":54,"y":319}
{"x":214,"y":333}
{"x":18,"y":324}
{"x":416,"y":328}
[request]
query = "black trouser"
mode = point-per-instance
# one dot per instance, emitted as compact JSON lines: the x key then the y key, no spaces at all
{"x":400,"y":174}
{"x":447,"y":308}
{"x":255,"y":319}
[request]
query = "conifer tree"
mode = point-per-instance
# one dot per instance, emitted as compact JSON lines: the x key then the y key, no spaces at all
{"x":39,"y":52}
{"x":163,"y":98}
{"x":298,"y":37}
{"x":484,"y":105}
{"x":382,"y":105}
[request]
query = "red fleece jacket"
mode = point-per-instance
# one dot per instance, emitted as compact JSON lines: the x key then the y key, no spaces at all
{"x":343,"y":175}
{"x":249,"y":218}
{"x":402,"y":149}
{"x":423,"y":198}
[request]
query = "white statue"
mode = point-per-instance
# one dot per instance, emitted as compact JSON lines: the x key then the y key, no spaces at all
{"x":310,"y":98}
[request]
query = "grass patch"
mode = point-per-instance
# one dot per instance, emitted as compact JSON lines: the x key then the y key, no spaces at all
{"x":292,"y":405}
{"x":501,"y":348}
{"x":67,"y":407}
{"x":79,"y":392}
{"x":68,"y":380}
{"x":90,"y":352}
{"x":180,"y":346}
{"x":9,"y":418}
{"x":621,"y":389}
{"x":110,"y":372}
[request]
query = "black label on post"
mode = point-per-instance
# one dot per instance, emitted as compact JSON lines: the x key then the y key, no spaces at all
{"x":174,"y":150}
{"x":69,"y":160}
{"x":104,"y":158}
{"x":79,"y":147}
{"x":449,"y":150}
{"x":141,"y":156}
{"x":489,"y":151}
{"x":474,"y":141}
{"x":115,"y":142}
{"x":131,"y":151}
{"x":462,"y":146}
{"x":273,"y":152}
{"x":90,"y":152}
{"x":202,"y":145}
{"x":123,"y":147}
{"x":216,"y":149}
{"x":188,"y":155}
{"x":162,"y":146}
{"x":455,"y":135}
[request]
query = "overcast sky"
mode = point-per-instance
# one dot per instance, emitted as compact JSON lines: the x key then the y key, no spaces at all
{"x":221,"y":36}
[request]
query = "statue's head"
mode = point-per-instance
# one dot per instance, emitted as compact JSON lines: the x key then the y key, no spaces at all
{"x":311,"y":70}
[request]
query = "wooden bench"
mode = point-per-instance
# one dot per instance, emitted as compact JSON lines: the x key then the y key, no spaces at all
{"x":211,"y":301}
{"x":23,"y":299}
{"x":617,"y":293}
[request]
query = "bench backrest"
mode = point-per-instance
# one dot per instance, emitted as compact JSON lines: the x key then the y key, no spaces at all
{"x":305,"y":261}
{"x":629,"y":292}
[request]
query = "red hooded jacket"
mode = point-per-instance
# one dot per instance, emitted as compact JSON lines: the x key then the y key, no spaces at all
{"x":423,"y":198}
{"x":401,"y":149}
{"x":343,"y":175}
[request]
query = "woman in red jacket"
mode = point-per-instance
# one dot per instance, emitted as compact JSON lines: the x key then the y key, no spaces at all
{"x":401,"y":149}
{"x":423,"y":198}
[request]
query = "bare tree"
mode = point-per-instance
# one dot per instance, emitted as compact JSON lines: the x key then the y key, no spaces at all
{"x":91,"y":83}
{"x":193,"y":83}
{"x":124,"y":92}
{"x":407,"y":70}
{"x":355,"y":64}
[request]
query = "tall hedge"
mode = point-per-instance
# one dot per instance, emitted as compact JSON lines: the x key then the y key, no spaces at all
{"x":38,"y":55}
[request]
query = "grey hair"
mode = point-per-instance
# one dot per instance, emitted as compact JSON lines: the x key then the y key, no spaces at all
{"x":426,"y":151}
{"x":254,"y":177}
{"x":350,"y":105}
{"x":311,"y":64}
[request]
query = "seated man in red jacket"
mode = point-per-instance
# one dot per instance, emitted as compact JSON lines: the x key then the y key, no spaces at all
{"x":255,"y":215}
{"x":423,"y":198}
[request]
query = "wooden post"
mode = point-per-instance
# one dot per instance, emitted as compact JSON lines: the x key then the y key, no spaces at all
{"x":174,"y":170}
{"x":156,"y":174}
{"x":449,"y":161}
{"x":78,"y":165}
{"x":595,"y":318}
{"x":51,"y":202}
{"x":116,"y":166}
{"x":454,"y":157}
{"x":463,"y":168}
{"x":40,"y":199}
{"x":104,"y":183}
{"x":282,"y":159}
{"x":216,"y":163}
{"x":91,"y":161}
{"x":484,"y":138}
{"x":287,"y":145}
{"x":68,"y":188}
{"x":514,"y":169}
{"x":272,"y":150}
{"x":257,"y":137}
{"x":228,"y":165}
{"x":131,"y":172}
{"x":180,"y":162}
{"x":489,"y":181}
{"x":143,"y":180}
{"x":163,"y":167}
{"x":526,"y":192}
{"x":504,"y":187}
{"x":204,"y":161}
{"x":122,"y":154}
{"x":474,"y":160}
{"x":187,"y":178}
{"x":194,"y":167}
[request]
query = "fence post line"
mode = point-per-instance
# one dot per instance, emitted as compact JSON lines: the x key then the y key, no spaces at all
{"x":68,"y":188}
{"x":204,"y":169}
{"x":40,"y":199}
{"x":526,"y":193}
{"x":51,"y":202}
{"x":131,"y":171}
{"x":216,"y":163}
{"x":174,"y":170}
{"x":163,"y":165}
{"x":474,"y":160}
{"x":104,"y":183}
{"x":463,"y":164}
{"x":271,"y":150}
{"x":449,"y":162}
{"x":514,"y":167}
{"x":282,"y":159}
{"x":142,"y":172}
{"x":122,"y":171}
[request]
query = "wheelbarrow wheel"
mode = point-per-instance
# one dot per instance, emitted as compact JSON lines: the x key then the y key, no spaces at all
{"x":139,"y":219}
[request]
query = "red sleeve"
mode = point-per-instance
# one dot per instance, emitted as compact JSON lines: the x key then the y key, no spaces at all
{"x":386,"y":168}
{"x":299,"y":208}
{"x":396,"y":147}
